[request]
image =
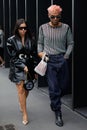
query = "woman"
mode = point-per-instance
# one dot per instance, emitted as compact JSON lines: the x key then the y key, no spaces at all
{"x":22,"y":51}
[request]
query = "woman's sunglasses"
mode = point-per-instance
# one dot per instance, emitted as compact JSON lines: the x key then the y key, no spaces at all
{"x":22,"y":28}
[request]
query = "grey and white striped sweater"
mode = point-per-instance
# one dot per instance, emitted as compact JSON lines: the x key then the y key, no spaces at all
{"x":55,"y":40}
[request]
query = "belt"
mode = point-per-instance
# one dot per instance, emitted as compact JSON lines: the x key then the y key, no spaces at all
{"x":22,"y":56}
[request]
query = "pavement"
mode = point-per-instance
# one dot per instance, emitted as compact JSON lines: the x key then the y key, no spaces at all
{"x":38,"y":105}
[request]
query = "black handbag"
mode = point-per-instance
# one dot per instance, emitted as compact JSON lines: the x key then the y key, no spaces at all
{"x":28,"y":84}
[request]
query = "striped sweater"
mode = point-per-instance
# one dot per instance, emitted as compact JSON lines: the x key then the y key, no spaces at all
{"x":55,"y":40}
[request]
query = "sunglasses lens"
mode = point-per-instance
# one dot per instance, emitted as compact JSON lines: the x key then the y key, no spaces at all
{"x":53,"y":17}
{"x":23,"y":28}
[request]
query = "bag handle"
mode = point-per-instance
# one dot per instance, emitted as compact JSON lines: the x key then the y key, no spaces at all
{"x":43,"y":55}
{"x":27,"y":76}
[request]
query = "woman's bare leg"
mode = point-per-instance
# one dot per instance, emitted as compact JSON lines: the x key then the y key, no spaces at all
{"x":22,"y":100}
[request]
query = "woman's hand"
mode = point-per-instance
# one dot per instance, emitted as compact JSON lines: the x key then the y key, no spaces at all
{"x":26,"y":69}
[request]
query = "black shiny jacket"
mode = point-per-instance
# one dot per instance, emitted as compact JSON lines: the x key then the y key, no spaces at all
{"x":21,"y":56}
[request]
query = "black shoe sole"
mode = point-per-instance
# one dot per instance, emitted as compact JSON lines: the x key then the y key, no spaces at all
{"x":58,"y":124}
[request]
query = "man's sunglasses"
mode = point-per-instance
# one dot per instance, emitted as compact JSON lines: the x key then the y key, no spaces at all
{"x":22,"y":28}
{"x":53,"y":17}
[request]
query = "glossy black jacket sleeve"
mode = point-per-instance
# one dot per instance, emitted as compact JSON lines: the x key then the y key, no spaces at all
{"x":12,"y":52}
{"x":10,"y":45}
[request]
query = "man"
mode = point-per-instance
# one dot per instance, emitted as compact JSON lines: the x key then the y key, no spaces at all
{"x":55,"y":38}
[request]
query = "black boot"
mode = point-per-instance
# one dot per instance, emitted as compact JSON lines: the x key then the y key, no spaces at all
{"x":58,"y":119}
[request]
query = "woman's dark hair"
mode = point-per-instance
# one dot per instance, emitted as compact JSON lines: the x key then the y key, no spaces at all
{"x":17,"y":25}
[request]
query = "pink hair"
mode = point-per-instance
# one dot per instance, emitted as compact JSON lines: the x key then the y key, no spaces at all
{"x":54,"y":8}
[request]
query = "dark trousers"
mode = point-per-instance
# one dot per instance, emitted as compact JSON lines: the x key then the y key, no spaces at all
{"x":57,"y":78}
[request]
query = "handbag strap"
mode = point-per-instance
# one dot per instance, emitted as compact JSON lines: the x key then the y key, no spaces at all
{"x":43,"y":55}
{"x":27,"y":76}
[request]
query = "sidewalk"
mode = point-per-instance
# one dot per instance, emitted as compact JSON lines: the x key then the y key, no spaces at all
{"x":38,"y":105}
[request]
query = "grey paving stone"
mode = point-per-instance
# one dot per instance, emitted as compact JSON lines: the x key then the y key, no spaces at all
{"x":1,"y":128}
{"x":10,"y":127}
